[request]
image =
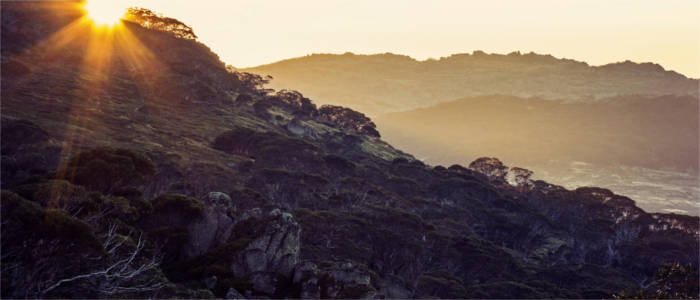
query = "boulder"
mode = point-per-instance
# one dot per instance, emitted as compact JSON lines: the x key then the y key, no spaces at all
{"x":298,"y":128}
{"x":306,"y":277}
{"x":275,"y":250}
{"x":233,"y":294}
{"x":213,"y":228}
{"x":264,"y":282}
{"x":348,"y":280}
{"x":210,"y":282}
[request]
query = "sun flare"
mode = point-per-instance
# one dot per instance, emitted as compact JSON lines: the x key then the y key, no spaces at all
{"x":104,"y":13}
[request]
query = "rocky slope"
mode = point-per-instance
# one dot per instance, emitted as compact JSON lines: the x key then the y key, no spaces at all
{"x":382,"y":83}
{"x":135,"y":164}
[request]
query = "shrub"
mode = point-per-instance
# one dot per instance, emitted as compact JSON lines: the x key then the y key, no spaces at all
{"x":20,"y":132}
{"x":136,"y":200}
{"x":14,"y":208}
{"x":107,"y":169}
{"x":62,"y":194}
{"x":339,"y":163}
{"x":58,"y":224}
{"x":177,"y":203}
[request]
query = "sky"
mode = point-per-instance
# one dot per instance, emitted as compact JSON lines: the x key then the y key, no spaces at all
{"x":246,"y":33}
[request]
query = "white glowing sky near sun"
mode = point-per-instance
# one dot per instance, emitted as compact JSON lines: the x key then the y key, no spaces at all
{"x":250,"y":32}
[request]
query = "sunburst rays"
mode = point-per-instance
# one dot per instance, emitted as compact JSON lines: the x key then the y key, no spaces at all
{"x":87,"y":53}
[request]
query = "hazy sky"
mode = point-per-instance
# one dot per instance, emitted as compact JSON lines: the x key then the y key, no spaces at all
{"x":251,"y":32}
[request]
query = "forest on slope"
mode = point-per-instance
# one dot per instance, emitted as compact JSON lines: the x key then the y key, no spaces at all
{"x":630,"y":127}
{"x":615,"y":136}
{"x":140,"y":166}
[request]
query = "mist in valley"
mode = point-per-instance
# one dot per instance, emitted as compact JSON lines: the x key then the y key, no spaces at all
{"x":628,"y":127}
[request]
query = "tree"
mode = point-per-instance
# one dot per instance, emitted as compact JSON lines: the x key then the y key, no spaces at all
{"x":127,"y":273}
{"x":149,"y":19}
{"x":491,"y":167}
{"x":521,"y":176}
{"x":297,"y":101}
{"x":249,"y":82}
{"x":348,"y":119}
{"x":51,"y":254}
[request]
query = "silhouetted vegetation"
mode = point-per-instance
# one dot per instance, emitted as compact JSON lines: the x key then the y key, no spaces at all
{"x":151,"y":20}
{"x":348,"y":119}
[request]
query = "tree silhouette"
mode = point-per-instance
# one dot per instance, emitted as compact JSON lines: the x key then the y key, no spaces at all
{"x":491,"y":167}
{"x":151,"y":20}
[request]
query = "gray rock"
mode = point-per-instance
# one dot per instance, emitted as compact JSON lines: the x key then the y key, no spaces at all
{"x":264,"y":282}
{"x":251,"y":213}
{"x":275,"y":251}
{"x":348,"y":281}
{"x":275,"y":212}
{"x":306,"y":275}
{"x":349,"y":274}
{"x":305,"y":270}
{"x":298,"y":128}
{"x":310,"y":289}
{"x":233,"y":294}
{"x":391,"y":288}
{"x":210,"y":282}
{"x":213,"y":228}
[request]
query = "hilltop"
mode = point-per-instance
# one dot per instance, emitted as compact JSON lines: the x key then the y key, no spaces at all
{"x":137,"y":165}
{"x":383,"y":83}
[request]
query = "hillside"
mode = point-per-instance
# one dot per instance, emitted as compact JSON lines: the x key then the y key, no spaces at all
{"x":135,"y":164}
{"x":382,"y":83}
{"x":605,"y":138}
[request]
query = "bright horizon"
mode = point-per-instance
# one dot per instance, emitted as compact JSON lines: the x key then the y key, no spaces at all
{"x":248,"y":33}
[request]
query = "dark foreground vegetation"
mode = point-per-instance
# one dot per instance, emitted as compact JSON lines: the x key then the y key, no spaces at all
{"x":162,"y":173}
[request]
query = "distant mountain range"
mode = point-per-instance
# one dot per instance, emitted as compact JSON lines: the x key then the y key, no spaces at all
{"x":376,"y":84}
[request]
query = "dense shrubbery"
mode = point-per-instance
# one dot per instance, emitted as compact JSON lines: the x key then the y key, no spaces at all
{"x":108,"y":169}
{"x":16,"y":133}
{"x":268,"y":148}
{"x":174,"y":203}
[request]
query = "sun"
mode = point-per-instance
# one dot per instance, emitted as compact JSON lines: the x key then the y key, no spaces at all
{"x":104,"y":12}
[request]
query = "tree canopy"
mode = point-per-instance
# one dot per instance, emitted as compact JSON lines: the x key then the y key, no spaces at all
{"x":149,"y":19}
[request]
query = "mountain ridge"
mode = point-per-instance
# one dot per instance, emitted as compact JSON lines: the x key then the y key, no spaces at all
{"x":388,"y":82}
{"x":629,"y":63}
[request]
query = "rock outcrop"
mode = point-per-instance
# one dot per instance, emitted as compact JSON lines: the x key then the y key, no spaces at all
{"x":272,"y":253}
{"x":213,"y":228}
